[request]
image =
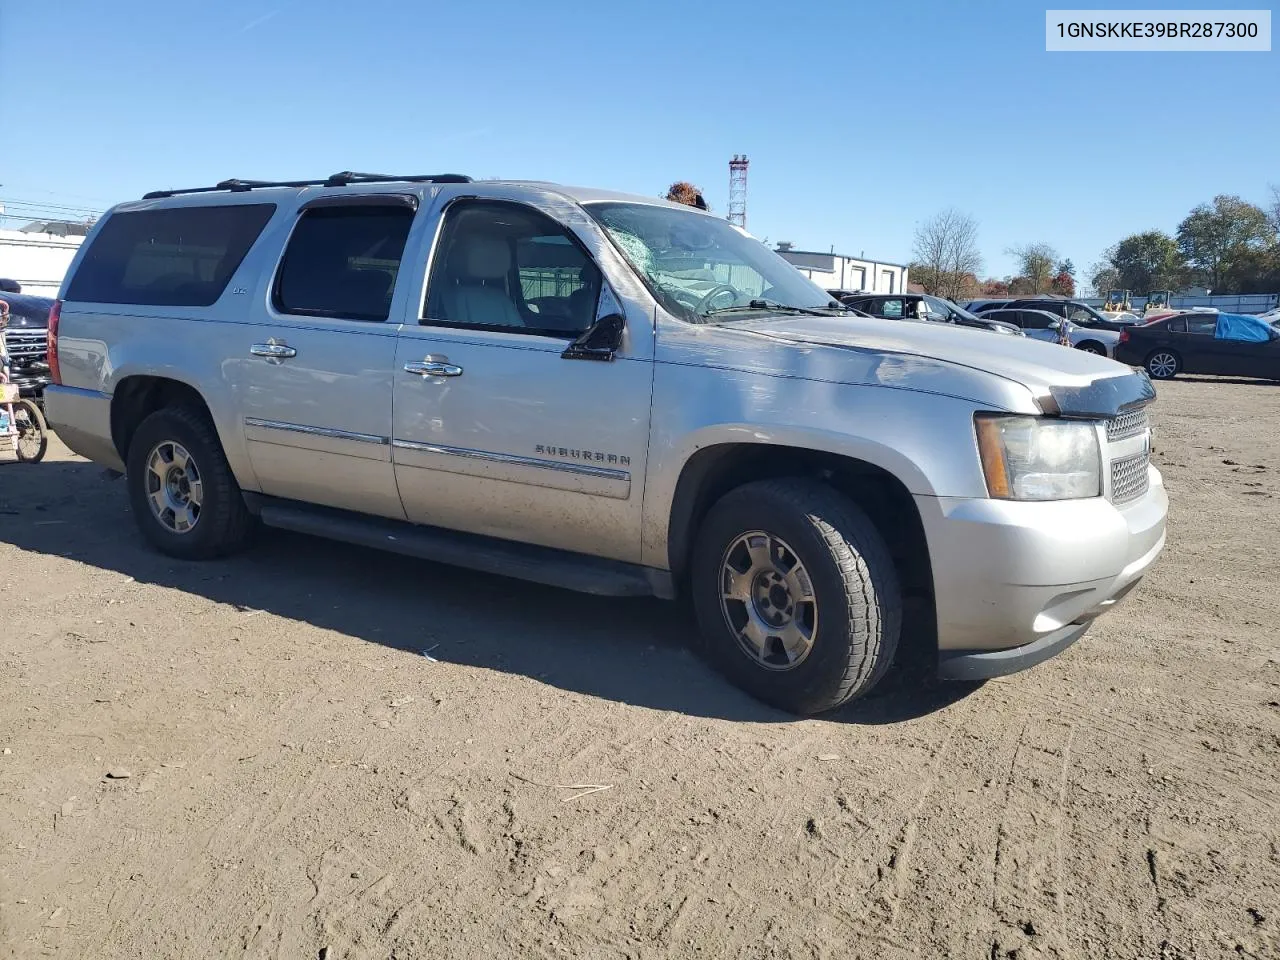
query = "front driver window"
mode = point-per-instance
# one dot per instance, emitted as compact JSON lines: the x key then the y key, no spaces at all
{"x":505,"y":266}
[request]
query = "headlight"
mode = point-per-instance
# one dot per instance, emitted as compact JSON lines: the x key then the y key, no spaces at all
{"x":1034,"y":458}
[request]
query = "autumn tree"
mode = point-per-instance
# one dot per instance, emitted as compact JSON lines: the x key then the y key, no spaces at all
{"x":1036,"y":262}
{"x":946,"y":259}
{"x":1221,"y":239}
{"x":684,"y":192}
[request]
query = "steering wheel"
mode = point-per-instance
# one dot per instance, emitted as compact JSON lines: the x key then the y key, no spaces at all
{"x":719,"y":290}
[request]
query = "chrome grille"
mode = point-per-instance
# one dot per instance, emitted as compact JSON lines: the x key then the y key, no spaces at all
{"x":26,"y":344}
{"x":1129,"y":478}
{"x":1126,"y":425}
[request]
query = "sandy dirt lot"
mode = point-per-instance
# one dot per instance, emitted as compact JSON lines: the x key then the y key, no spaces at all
{"x":254,"y":758}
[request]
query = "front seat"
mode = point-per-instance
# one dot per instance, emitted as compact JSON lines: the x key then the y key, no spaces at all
{"x":475,"y":292}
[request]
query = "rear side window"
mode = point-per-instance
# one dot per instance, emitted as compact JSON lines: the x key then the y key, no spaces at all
{"x":179,"y":256}
{"x":342,"y":262}
{"x":1035,"y":320}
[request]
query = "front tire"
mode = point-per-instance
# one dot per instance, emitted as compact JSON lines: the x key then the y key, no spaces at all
{"x":1163,"y":364}
{"x":183,"y":494}
{"x":796,"y":595}
{"x":1095,"y":348}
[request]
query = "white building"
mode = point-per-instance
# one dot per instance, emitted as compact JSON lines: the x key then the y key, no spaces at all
{"x":37,"y":256}
{"x":838,"y":271}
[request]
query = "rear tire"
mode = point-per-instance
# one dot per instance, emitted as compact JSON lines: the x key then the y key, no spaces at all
{"x":183,"y":494}
{"x":802,"y":656}
{"x":1163,"y":364}
{"x":32,"y":441}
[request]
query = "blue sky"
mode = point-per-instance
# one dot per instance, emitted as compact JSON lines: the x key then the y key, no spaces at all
{"x":860,"y":119}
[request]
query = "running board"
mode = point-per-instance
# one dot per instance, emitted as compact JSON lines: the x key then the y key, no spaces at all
{"x":557,"y":568}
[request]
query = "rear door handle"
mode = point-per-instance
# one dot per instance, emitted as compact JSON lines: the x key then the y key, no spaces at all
{"x":433,"y":367}
{"x":276,"y":350}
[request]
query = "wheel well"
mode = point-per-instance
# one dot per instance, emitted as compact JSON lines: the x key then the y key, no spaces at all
{"x":136,"y":398}
{"x":1091,"y":343}
{"x":714,"y":471}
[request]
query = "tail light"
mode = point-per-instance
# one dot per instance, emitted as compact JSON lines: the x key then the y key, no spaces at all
{"x":55,"y":371}
{"x":1124,"y":334}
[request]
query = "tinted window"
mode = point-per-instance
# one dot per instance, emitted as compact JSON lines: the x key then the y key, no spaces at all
{"x":504,"y":266}
{"x":1035,"y":320}
{"x":1005,"y":316}
{"x":180,"y":256}
{"x":342,"y":262}
{"x":890,"y":308}
{"x":1057,"y":309}
{"x":1204,"y":326}
{"x":1176,"y":326}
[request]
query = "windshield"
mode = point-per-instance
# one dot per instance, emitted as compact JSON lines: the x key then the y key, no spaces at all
{"x":699,"y":266}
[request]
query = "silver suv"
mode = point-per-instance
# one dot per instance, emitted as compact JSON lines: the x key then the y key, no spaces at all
{"x":607,"y":393}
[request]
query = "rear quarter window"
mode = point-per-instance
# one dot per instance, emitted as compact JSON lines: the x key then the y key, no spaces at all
{"x":179,"y":256}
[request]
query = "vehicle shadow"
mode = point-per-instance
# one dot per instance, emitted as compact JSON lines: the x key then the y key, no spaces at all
{"x":633,"y":651}
{"x":1241,"y":381}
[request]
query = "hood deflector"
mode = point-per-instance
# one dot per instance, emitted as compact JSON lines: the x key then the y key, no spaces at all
{"x":1102,"y":399}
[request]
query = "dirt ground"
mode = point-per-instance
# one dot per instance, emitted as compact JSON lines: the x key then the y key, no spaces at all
{"x":317,"y":752}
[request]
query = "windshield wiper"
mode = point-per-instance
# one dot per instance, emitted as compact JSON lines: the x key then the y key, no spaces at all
{"x":774,"y":307}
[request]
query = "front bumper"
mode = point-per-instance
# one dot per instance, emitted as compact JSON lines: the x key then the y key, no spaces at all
{"x":1016,"y":583}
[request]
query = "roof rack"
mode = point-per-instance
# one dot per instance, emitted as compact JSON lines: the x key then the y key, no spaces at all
{"x":344,"y":179}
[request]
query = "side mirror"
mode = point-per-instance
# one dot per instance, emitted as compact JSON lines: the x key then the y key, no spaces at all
{"x":600,"y":341}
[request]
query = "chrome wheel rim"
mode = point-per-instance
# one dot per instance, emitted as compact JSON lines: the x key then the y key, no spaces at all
{"x":175,"y":490}
{"x":1163,"y":365}
{"x":768,"y":601}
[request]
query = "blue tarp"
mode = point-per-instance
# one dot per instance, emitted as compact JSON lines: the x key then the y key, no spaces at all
{"x":1241,"y":326}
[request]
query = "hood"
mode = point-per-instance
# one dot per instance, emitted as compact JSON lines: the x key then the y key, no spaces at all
{"x":931,"y":356}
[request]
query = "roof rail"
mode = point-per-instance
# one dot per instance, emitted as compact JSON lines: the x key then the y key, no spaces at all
{"x":344,"y":179}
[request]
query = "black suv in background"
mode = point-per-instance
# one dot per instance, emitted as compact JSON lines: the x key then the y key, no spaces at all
{"x":919,"y":306}
{"x":1081,"y":314}
{"x":26,"y":341}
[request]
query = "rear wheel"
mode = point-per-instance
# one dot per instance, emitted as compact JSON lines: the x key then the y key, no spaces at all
{"x":33,"y":433}
{"x":184,"y":497}
{"x":1163,"y":364}
{"x":796,"y":594}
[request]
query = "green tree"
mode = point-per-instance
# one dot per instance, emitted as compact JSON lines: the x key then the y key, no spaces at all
{"x":1067,"y":267}
{"x":1036,"y":264}
{"x":1103,"y":277}
{"x":1147,"y":261}
{"x":1219,"y":239}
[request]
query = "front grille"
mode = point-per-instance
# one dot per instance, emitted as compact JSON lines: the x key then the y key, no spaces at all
{"x":26,"y":344}
{"x":1126,"y":425}
{"x":1129,"y":478}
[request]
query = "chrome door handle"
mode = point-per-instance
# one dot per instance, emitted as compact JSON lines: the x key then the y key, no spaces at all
{"x":433,"y":368}
{"x":273,"y":350}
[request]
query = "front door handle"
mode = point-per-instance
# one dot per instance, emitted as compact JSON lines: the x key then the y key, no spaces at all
{"x":274,"y":350}
{"x":433,"y":367}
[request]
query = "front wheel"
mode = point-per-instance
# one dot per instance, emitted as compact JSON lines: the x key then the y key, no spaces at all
{"x":796,"y":595}
{"x":1092,"y":348}
{"x":33,"y":433}
{"x":1163,"y":364}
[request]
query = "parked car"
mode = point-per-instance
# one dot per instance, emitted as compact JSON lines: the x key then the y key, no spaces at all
{"x":534,"y":381}
{"x":920,"y":306}
{"x":1081,"y":314}
{"x":1223,"y":343}
{"x":26,"y":342}
{"x":1043,"y":325}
